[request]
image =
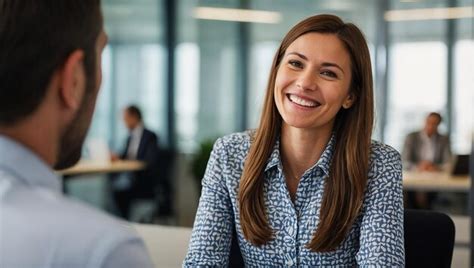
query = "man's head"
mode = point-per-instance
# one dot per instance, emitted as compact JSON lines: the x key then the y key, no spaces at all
{"x":50,"y":53}
{"x":132,"y":116}
{"x":431,"y":124}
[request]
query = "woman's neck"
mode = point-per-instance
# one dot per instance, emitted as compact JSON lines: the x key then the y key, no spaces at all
{"x":302,"y":148}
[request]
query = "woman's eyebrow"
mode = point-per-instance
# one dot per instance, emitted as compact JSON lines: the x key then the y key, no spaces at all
{"x":297,"y":54}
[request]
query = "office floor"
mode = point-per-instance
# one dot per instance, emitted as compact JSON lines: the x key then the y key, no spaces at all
{"x":461,"y":247}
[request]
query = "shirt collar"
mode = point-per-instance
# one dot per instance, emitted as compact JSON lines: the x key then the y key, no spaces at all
{"x":324,"y":161}
{"x":22,"y":163}
{"x":137,"y":131}
{"x":274,"y":159}
{"x":425,"y":136}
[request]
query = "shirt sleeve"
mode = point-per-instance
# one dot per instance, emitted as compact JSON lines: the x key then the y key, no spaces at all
{"x":381,"y":231}
{"x":212,"y":231}
{"x":131,"y":253}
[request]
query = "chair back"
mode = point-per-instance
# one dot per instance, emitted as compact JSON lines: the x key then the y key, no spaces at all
{"x":235,"y":257}
{"x":429,"y":239}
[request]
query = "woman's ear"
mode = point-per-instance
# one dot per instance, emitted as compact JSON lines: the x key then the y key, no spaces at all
{"x":349,"y":101}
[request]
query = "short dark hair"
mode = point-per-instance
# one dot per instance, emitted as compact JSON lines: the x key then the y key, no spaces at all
{"x":36,"y":37}
{"x":438,"y":115}
{"x":134,"y":111}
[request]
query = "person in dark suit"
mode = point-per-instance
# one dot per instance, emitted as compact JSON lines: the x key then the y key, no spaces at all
{"x":142,"y":144}
{"x":426,"y":150}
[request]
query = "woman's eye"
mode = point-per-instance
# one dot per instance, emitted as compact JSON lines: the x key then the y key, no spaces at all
{"x":296,"y":64}
{"x":329,"y":74}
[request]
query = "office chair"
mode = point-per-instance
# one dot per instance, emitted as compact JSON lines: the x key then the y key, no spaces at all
{"x":429,"y":239}
{"x":164,"y":185}
{"x":161,"y":203}
{"x":235,"y":258}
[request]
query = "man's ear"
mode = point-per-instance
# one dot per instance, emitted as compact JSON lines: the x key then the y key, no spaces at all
{"x":350,"y":99}
{"x":72,"y":80}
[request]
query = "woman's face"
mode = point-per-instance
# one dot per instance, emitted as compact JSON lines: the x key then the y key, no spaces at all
{"x":312,"y":81}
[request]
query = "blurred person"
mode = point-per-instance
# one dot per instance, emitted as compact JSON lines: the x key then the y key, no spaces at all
{"x":142,"y":145}
{"x":50,"y":75}
{"x":308,"y":187}
{"x":426,"y":150}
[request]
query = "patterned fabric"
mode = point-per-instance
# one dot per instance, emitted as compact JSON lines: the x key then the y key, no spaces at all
{"x":375,"y":239}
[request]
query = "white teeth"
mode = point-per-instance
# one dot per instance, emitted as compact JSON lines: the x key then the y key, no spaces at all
{"x":302,"y":102}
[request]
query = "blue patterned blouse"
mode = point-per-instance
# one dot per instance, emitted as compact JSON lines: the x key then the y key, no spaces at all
{"x":375,"y":239}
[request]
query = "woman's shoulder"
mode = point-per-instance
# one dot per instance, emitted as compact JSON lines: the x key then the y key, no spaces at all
{"x":236,"y":141}
{"x":379,"y":150}
{"x":235,"y":145}
{"x":384,"y":157}
{"x":384,"y":184}
{"x":231,"y":151}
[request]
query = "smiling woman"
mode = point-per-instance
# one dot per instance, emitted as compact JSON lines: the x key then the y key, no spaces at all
{"x":313,"y":81}
{"x":308,"y":187}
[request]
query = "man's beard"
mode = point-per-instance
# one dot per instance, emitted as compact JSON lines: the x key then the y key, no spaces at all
{"x":70,"y":149}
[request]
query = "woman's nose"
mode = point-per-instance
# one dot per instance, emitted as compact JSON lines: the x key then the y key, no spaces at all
{"x":307,"y":80}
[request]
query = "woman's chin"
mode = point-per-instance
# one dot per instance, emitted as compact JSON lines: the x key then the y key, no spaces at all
{"x":298,"y":123}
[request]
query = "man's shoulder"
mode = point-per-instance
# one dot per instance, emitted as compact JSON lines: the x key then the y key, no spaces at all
{"x":412,"y":137}
{"x":94,"y":227}
{"x":443,"y":137}
{"x":59,"y":213}
{"x":149,"y":131}
{"x":47,"y":221}
{"x":149,"y":134}
{"x":413,"y":134}
{"x":93,"y":221}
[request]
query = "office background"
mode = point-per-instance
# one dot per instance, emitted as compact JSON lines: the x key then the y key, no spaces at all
{"x":198,"y":78}
{"x":198,"y":73}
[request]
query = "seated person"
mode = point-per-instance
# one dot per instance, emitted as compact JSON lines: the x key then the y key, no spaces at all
{"x":426,"y":150}
{"x":50,"y":76}
{"x":141,"y":144}
{"x":308,"y":187}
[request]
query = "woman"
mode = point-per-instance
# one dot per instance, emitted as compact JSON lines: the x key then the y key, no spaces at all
{"x":308,"y":187}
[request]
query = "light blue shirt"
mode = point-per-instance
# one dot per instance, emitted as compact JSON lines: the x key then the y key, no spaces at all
{"x":39,"y":227}
{"x":375,"y":239}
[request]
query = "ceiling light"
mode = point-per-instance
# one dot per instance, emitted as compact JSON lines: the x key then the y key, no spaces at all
{"x":239,"y":15}
{"x":429,"y":14}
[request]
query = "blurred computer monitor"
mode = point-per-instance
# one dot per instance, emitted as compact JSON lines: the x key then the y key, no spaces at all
{"x":461,"y":165}
{"x":98,"y":151}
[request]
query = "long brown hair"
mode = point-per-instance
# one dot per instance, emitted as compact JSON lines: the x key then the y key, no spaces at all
{"x":345,"y":187}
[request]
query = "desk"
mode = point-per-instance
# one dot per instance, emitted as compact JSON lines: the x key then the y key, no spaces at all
{"x":85,"y":167}
{"x":435,"y":181}
{"x":166,"y":245}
